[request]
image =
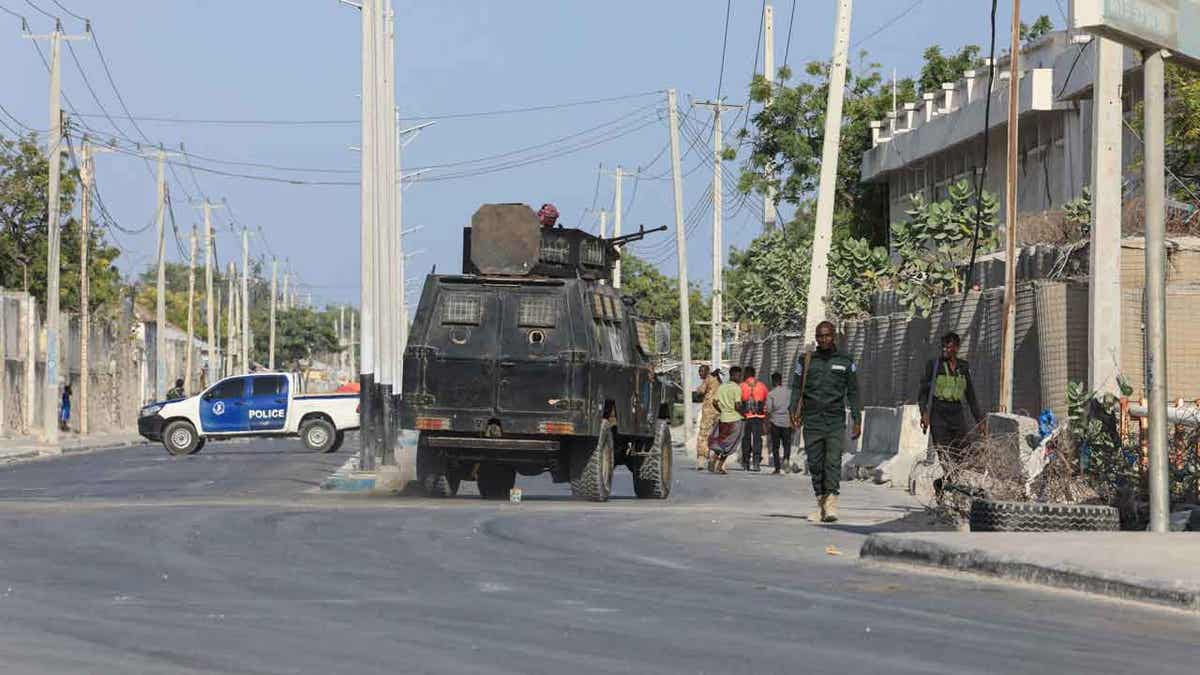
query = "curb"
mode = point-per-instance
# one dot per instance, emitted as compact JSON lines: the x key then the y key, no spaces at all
{"x":910,"y":550}
{"x":19,"y":455}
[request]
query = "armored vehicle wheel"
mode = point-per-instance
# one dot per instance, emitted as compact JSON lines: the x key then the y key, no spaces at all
{"x":180,"y":438}
{"x":495,"y":480}
{"x":431,"y":472}
{"x":652,"y":473}
{"x":592,"y":467}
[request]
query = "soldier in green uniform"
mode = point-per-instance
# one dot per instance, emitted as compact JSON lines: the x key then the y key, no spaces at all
{"x":824,"y":384}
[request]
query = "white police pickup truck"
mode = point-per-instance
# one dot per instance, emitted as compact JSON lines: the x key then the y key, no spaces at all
{"x":260,"y":404}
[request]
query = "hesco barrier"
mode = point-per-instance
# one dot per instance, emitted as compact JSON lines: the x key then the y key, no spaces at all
{"x":1051,"y":345}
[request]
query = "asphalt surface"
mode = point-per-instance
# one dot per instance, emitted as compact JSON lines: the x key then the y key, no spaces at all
{"x":230,"y":561}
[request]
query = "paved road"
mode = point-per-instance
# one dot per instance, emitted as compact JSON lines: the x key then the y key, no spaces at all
{"x":230,"y":562}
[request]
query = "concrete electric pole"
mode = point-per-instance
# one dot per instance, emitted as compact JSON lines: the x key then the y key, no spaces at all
{"x":54,"y":233}
{"x":818,"y":284}
{"x":245,"y":304}
{"x":1156,"y":288}
{"x":618,"y":211}
{"x":160,"y":305}
{"x":1104,"y":253}
{"x":769,"y":76}
{"x":1008,"y":343}
{"x":685,"y":314}
{"x":718,"y":236}
{"x":367,"y":242}
{"x":191,"y":325}
{"x":230,"y":365}
{"x":87,"y":173}
{"x":271,"y":339}
{"x":209,"y":310}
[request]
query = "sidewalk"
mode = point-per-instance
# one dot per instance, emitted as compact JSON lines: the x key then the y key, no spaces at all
{"x":28,"y":447}
{"x":1140,"y":566}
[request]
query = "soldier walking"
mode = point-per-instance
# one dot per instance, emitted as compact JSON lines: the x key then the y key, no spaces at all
{"x":824,"y":384}
{"x":705,"y":394}
{"x":944,"y":391}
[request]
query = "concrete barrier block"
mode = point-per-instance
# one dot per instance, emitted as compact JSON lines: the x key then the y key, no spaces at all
{"x":911,"y":447}
{"x":1011,"y":431}
{"x":879,"y":442}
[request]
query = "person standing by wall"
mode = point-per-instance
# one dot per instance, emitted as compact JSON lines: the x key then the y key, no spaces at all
{"x":754,"y":399}
{"x":946,"y":387}
{"x":726,"y":437}
{"x":824,"y":384}
{"x":779,"y":420}
{"x":64,"y":409}
{"x":705,"y":395}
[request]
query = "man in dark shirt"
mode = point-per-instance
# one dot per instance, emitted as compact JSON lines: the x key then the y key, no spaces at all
{"x":946,"y":388}
{"x":824,"y":384}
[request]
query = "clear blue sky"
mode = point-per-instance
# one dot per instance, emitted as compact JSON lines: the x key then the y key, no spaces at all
{"x":299,"y":60}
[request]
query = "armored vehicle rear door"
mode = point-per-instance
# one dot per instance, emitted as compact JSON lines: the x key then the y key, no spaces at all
{"x":463,"y":327}
{"x":535,"y":333}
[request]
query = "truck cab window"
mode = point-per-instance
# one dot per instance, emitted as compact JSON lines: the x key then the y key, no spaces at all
{"x":229,"y":389}
{"x":274,"y":385}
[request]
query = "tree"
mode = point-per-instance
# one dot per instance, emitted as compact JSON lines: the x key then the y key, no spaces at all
{"x":939,"y":68}
{"x":767,"y":283}
{"x":176,"y":278}
{"x":300,"y":334}
{"x":657,"y":296}
{"x":1183,"y":130}
{"x":24,"y":185}
{"x":1041,"y":27}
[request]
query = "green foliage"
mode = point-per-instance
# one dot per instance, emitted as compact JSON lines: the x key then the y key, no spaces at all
{"x":1103,"y":459}
{"x":856,"y":269}
{"x":767,"y":284}
{"x":939,"y":68}
{"x":657,"y":296}
{"x":1183,"y":129}
{"x":1078,"y":212}
{"x":300,"y":334}
{"x":24,"y":177}
{"x":1041,"y":27}
{"x":176,"y":278}
{"x":935,"y":240}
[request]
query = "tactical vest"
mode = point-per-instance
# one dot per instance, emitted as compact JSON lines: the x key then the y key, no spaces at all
{"x":947,"y":387}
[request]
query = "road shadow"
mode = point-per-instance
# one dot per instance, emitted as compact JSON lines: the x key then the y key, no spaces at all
{"x":913,"y":521}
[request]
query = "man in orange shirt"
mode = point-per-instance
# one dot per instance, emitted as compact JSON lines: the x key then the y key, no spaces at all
{"x":754,"y":410}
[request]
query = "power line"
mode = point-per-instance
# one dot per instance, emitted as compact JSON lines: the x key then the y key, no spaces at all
{"x":60,"y":6}
{"x":987,"y":118}
{"x":889,"y":23}
{"x":41,"y":10}
{"x":787,"y":47}
{"x":355,"y":122}
{"x":724,"y":45}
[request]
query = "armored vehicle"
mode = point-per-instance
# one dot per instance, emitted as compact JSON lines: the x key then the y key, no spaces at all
{"x":531,"y":361}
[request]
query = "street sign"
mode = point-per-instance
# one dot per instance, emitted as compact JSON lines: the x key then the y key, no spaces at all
{"x":1173,"y":25}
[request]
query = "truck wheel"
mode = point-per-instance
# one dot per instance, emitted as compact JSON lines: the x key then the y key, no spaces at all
{"x":652,"y":474}
{"x":592,"y":467}
{"x":179,"y":438}
{"x":495,"y":480}
{"x":431,"y":472}
{"x":318,"y":435}
{"x":338,"y":439}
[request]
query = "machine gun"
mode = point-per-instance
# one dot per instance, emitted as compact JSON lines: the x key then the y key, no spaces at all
{"x":636,"y":236}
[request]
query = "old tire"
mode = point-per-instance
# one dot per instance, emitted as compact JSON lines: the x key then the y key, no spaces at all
{"x":495,"y":480}
{"x":996,"y":516}
{"x":652,"y":473}
{"x":338,"y":439}
{"x":180,"y":438}
{"x":592,"y":467}
{"x":431,"y":472}
{"x":318,"y":435}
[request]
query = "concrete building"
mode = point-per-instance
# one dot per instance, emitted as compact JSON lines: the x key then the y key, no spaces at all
{"x":939,"y":141}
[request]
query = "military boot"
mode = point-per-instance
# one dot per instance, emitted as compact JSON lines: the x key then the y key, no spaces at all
{"x":830,"y":509}
{"x":818,"y":515}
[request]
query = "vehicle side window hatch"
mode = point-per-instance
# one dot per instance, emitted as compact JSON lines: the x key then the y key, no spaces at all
{"x":538,"y":311}
{"x":272,"y":385}
{"x":462,"y":308}
{"x":645,"y":336}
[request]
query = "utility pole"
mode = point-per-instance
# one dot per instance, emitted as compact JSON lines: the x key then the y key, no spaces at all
{"x":350,"y":347}
{"x":210,"y":314}
{"x":245,"y":306}
{"x":271,"y":340}
{"x":229,"y":322}
{"x":1156,"y":288}
{"x":618,"y":209}
{"x":769,"y":76}
{"x":1104,"y":253}
{"x":603,"y":224}
{"x":54,"y":233}
{"x":1008,"y":345}
{"x":367,"y":244}
{"x":341,"y":332}
{"x":87,"y":172}
{"x":160,"y":313}
{"x":191,"y":325}
{"x":818,"y":280}
{"x":685,"y":313}
{"x":718,"y":236}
